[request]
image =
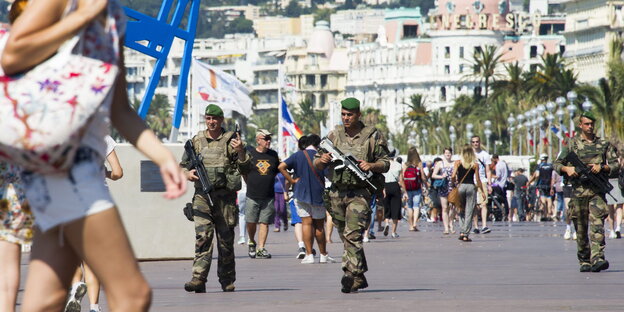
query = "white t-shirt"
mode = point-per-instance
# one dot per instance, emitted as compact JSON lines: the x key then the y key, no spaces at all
{"x":110,"y":144}
{"x":483,"y":158}
{"x":394,"y":172}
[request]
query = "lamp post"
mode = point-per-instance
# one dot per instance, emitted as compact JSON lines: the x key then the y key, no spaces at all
{"x":469,"y":130}
{"x":487,"y":132}
{"x":572,"y":96}
{"x":511,"y":120}
{"x":424,"y":139}
{"x":527,"y":125}
{"x":520,"y":119}
{"x":452,"y":136}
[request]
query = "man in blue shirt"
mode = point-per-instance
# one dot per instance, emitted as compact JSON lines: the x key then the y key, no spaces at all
{"x":308,"y":193}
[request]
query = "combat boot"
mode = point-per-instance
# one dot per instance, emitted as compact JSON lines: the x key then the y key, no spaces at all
{"x":600,"y":265}
{"x":347,"y":283}
{"x":585,"y":267}
{"x":195,"y":285}
{"x":359,"y":283}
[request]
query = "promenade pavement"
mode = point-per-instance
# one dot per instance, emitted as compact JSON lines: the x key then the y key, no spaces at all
{"x":518,"y":267}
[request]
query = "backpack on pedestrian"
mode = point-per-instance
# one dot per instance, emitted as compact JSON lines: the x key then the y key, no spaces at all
{"x":411,"y":178}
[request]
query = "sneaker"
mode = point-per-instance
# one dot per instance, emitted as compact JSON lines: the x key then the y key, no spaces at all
{"x":308,"y":259}
{"x":386,"y":229}
{"x":326,"y":259}
{"x":252,"y":250}
{"x":371,"y":236}
{"x":301,"y":253}
{"x":285,"y":227}
{"x":395,"y":235}
{"x":612,"y":235}
{"x":195,"y":285}
{"x":365,"y":239}
{"x":98,"y":309}
{"x":241,"y":241}
{"x":618,"y":235}
{"x":262,"y":254}
{"x":76,"y":293}
{"x":485,"y":230}
{"x":574,"y":235}
{"x":567,"y":234}
{"x":476,"y":231}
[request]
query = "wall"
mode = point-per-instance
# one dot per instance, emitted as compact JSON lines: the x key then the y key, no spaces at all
{"x":156,"y":226}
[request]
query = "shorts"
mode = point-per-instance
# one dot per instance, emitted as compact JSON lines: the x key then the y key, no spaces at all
{"x":482,"y":189}
{"x":567,"y":191}
{"x":414,"y":198}
{"x":294,"y":217}
{"x":304,"y":210}
{"x":260,"y":210}
{"x":56,"y":199}
{"x":544,"y":192}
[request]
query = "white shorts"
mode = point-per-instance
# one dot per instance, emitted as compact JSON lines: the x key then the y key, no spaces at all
{"x":308,"y":210}
{"x":56,"y":199}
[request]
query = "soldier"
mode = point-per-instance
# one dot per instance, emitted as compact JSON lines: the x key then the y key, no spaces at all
{"x":223,"y":155}
{"x":349,"y":196}
{"x":588,"y":209}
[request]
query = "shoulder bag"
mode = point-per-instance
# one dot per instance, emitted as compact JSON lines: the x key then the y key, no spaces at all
{"x":453,"y":196}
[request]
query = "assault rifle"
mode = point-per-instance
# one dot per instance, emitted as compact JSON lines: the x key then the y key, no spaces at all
{"x":598,"y":182}
{"x":196,"y":162}
{"x":347,"y":162}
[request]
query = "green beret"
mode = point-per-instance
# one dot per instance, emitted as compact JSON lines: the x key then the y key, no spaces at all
{"x":350,"y":103}
{"x":214,"y":110}
{"x":589,"y":115}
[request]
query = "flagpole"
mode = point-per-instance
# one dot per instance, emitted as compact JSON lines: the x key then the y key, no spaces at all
{"x":280,"y":135}
{"x":189,"y":94}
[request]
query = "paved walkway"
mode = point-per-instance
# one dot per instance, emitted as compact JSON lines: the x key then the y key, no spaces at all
{"x":522,"y":267}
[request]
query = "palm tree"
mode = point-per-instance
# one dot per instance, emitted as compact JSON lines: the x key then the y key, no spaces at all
{"x":417,"y":114}
{"x":261,"y":120}
{"x":514,"y":86}
{"x":307,"y":118}
{"x":485,"y":62}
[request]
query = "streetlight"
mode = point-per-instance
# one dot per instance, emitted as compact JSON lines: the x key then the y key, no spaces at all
{"x":452,"y":136}
{"x":412,"y":138}
{"x":424,"y":139}
{"x":487,"y":132}
{"x":571,"y":110}
{"x":587,"y":105}
{"x":520,"y":119}
{"x":511,"y":120}
{"x":469,"y":130}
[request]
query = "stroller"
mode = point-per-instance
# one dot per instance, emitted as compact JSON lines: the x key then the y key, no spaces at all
{"x":495,"y":207}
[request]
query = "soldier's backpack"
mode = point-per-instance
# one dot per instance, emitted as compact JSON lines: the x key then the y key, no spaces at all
{"x":411,"y":178}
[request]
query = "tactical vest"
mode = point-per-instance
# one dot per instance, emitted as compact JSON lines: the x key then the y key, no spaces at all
{"x":361,"y":148}
{"x":221,"y":170}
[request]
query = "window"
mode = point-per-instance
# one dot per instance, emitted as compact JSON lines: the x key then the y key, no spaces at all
{"x":447,"y":52}
{"x":310,"y":80}
{"x":447,"y":69}
{"x":533,"y":53}
{"x":461,"y":68}
{"x":323,"y":81}
{"x":561,"y":49}
{"x":443,"y":94}
{"x":410,"y":31}
{"x":461,"y":52}
{"x":478,"y":50}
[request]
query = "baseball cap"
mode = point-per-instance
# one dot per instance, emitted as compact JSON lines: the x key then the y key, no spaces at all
{"x":263,"y":132}
{"x":543,"y":156}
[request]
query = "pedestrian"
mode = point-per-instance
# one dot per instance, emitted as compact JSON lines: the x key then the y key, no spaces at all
{"x":75,"y":215}
{"x":349,"y":195}
{"x":435,"y":205}
{"x":521,"y":185}
{"x":260,"y":209}
{"x":484,"y":160}
{"x":308,"y":192}
{"x":91,"y":285}
{"x":543,"y":176}
{"x":393,"y":191}
{"x":466,"y":175}
{"x":499,"y":180}
{"x":241,"y":199}
{"x":224,"y":159}
{"x":443,"y":184}
{"x":413,"y":179}
{"x":295,"y":220}
{"x":588,"y":209}
{"x":281,"y":197}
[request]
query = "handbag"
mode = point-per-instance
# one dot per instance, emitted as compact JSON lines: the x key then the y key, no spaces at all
{"x":453,"y":196}
{"x":46,"y":110}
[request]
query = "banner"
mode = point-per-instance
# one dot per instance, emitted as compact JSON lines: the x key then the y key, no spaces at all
{"x":212,"y":85}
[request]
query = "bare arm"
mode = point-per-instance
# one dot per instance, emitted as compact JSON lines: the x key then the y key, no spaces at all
{"x":436,"y":171}
{"x":125,"y":119}
{"x":41,"y":30}
{"x":282,"y":168}
{"x":116,"y":171}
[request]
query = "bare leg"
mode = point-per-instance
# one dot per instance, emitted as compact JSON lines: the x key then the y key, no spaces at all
{"x":263,"y":234}
{"x":395,"y":223}
{"x":416,"y":217}
{"x":329,"y":228}
{"x":251,"y":232}
{"x":319,"y":233}
{"x":308,"y":230}
{"x":93,"y":285}
{"x":101,"y":240}
{"x":445,"y":214}
{"x":618,"y":216}
{"x":484,"y":214}
{"x":298,"y":232}
{"x":410,"y":218}
{"x":9,"y":283}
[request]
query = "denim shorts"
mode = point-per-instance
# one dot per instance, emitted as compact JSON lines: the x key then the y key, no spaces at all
{"x":414,"y":199}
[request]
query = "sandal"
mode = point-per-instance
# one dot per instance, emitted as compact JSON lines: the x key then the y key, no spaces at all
{"x":466,"y":239}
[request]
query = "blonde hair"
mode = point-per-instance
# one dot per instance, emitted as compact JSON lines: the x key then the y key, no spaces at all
{"x":16,"y":10}
{"x":413,"y":158}
{"x":467,"y":156}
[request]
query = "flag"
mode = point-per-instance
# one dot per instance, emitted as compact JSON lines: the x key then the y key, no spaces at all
{"x":543,"y":136}
{"x":530,"y":138}
{"x":557,"y":132}
{"x":212,"y":85}
{"x":289,"y":127}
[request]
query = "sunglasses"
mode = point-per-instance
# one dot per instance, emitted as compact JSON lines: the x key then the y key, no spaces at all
{"x":267,"y":138}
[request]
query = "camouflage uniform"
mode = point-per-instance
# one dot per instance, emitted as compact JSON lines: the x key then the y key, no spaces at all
{"x":222,"y":166}
{"x":349,"y":197}
{"x":586,"y":208}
